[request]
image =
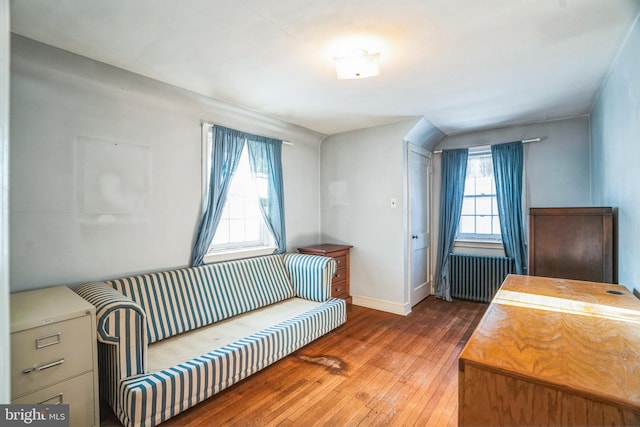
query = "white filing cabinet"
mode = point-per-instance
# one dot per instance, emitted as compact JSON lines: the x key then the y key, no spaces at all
{"x":53,"y":352}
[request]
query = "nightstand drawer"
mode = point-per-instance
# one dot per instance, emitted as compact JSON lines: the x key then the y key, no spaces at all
{"x":340,"y":276}
{"x":72,"y":392}
{"x":339,"y":290}
{"x":48,"y":354}
{"x":341,"y":261}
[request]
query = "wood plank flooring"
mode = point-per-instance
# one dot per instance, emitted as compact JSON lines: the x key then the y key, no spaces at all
{"x":377,"y":369}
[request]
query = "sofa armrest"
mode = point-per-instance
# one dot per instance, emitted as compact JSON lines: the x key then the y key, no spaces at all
{"x":121,"y":322}
{"x":311,"y":275}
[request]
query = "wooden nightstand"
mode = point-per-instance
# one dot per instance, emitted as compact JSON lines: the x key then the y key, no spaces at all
{"x":340,"y":282}
{"x":53,"y":352}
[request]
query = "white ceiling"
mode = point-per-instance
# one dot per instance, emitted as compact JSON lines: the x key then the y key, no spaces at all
{"x":462,"y":64}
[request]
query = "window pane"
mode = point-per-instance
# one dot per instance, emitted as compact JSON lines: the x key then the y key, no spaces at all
{"x":473,"y":168}
{"x":236,"y":230}
{"x":252,"y":210}
{"x":483,"y":225}
{"x":483,"y":185}
{"x":479,"y":166}
{"x":252,"y":229}
{"x":494,"y":205}
{"x":486,"y":166}
{"x":468,"y":206}
{"x":262,"y":187}
{"x":469,"y":187}
{"x":236,"y":206}
{"x":467,"y":225}
{"x":496,"y":225}
{"x":222,"y":233}
{"x":483,"y":205}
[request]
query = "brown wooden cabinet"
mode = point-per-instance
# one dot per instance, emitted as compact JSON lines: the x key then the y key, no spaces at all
{"x":340,"y":281}
{"x":572,"y":243}
{"x":553,"y":352}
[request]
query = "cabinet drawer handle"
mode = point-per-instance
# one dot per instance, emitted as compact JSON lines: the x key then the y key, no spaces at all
{"x":43,"y":367}
{"x":50,"y":365}
{"x":58,"y":400}
{"x":48,"y":340}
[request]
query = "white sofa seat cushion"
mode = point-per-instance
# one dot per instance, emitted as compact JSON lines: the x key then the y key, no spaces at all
{"x":175,"y":350}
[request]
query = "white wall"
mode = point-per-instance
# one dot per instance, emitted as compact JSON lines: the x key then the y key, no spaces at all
{"x":59,"y":101}
{"x":615,"y":133}
{"x":557,"y":168}
{"x":361,"y":171}
{"x":5,"y":354}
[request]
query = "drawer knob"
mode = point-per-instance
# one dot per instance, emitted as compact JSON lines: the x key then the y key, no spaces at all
{"x":43,"y":367}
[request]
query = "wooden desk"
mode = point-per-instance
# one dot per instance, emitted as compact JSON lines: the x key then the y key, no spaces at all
{"x":553,"y":352}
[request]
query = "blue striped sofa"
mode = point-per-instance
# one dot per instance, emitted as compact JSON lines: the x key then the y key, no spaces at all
{"x":169,"y":340}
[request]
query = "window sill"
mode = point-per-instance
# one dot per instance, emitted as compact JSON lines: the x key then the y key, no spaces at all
{"x":483,"y":244}
{"x":232,"y":254}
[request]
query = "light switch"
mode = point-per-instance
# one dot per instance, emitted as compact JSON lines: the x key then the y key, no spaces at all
{"x":394,"y":203}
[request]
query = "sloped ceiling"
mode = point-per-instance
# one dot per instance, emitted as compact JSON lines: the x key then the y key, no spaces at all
{"x":462,"y":64}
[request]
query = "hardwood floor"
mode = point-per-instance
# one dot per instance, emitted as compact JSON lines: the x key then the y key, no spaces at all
{"x":377,"y":369}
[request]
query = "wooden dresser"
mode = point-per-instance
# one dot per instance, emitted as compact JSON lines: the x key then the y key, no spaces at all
{"x":340,"y":282}
{"x":53,"y":352}
{"x":553,"y":352}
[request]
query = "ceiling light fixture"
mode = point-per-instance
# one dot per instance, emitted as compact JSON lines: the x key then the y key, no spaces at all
{"x":357,"y":65}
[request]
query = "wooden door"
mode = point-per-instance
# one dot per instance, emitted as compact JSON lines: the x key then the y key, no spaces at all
{"x":419,"y":221}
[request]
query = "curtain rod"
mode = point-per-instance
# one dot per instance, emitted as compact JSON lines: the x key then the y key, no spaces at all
{"x":204,"y":122}
{"x":524,"y":141}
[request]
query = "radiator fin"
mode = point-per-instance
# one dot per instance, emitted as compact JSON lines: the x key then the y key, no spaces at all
{"x":478,"y":278}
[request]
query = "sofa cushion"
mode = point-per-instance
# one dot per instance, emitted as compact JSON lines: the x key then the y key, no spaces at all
{"x":178,"y":301}
{"x":180,"y":348}
{"x":310,"y":275}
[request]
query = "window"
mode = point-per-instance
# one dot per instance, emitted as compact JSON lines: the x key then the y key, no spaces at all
{"x":242,"y":227}
{"x":479,"y":219}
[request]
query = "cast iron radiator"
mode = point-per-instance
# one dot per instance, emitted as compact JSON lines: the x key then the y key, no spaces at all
{"x":477,"y":278}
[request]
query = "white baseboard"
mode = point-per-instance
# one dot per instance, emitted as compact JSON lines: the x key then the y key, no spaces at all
{"x":382,"y":305}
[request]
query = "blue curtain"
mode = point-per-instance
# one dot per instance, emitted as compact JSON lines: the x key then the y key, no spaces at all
{"x":265,"y":157}
{"x":453,"y":175}
{"x":225,"y":154}
{"x":507,"y":170}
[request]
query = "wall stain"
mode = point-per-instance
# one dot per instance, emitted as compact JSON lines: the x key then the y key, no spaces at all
{"x":332,"y":364}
